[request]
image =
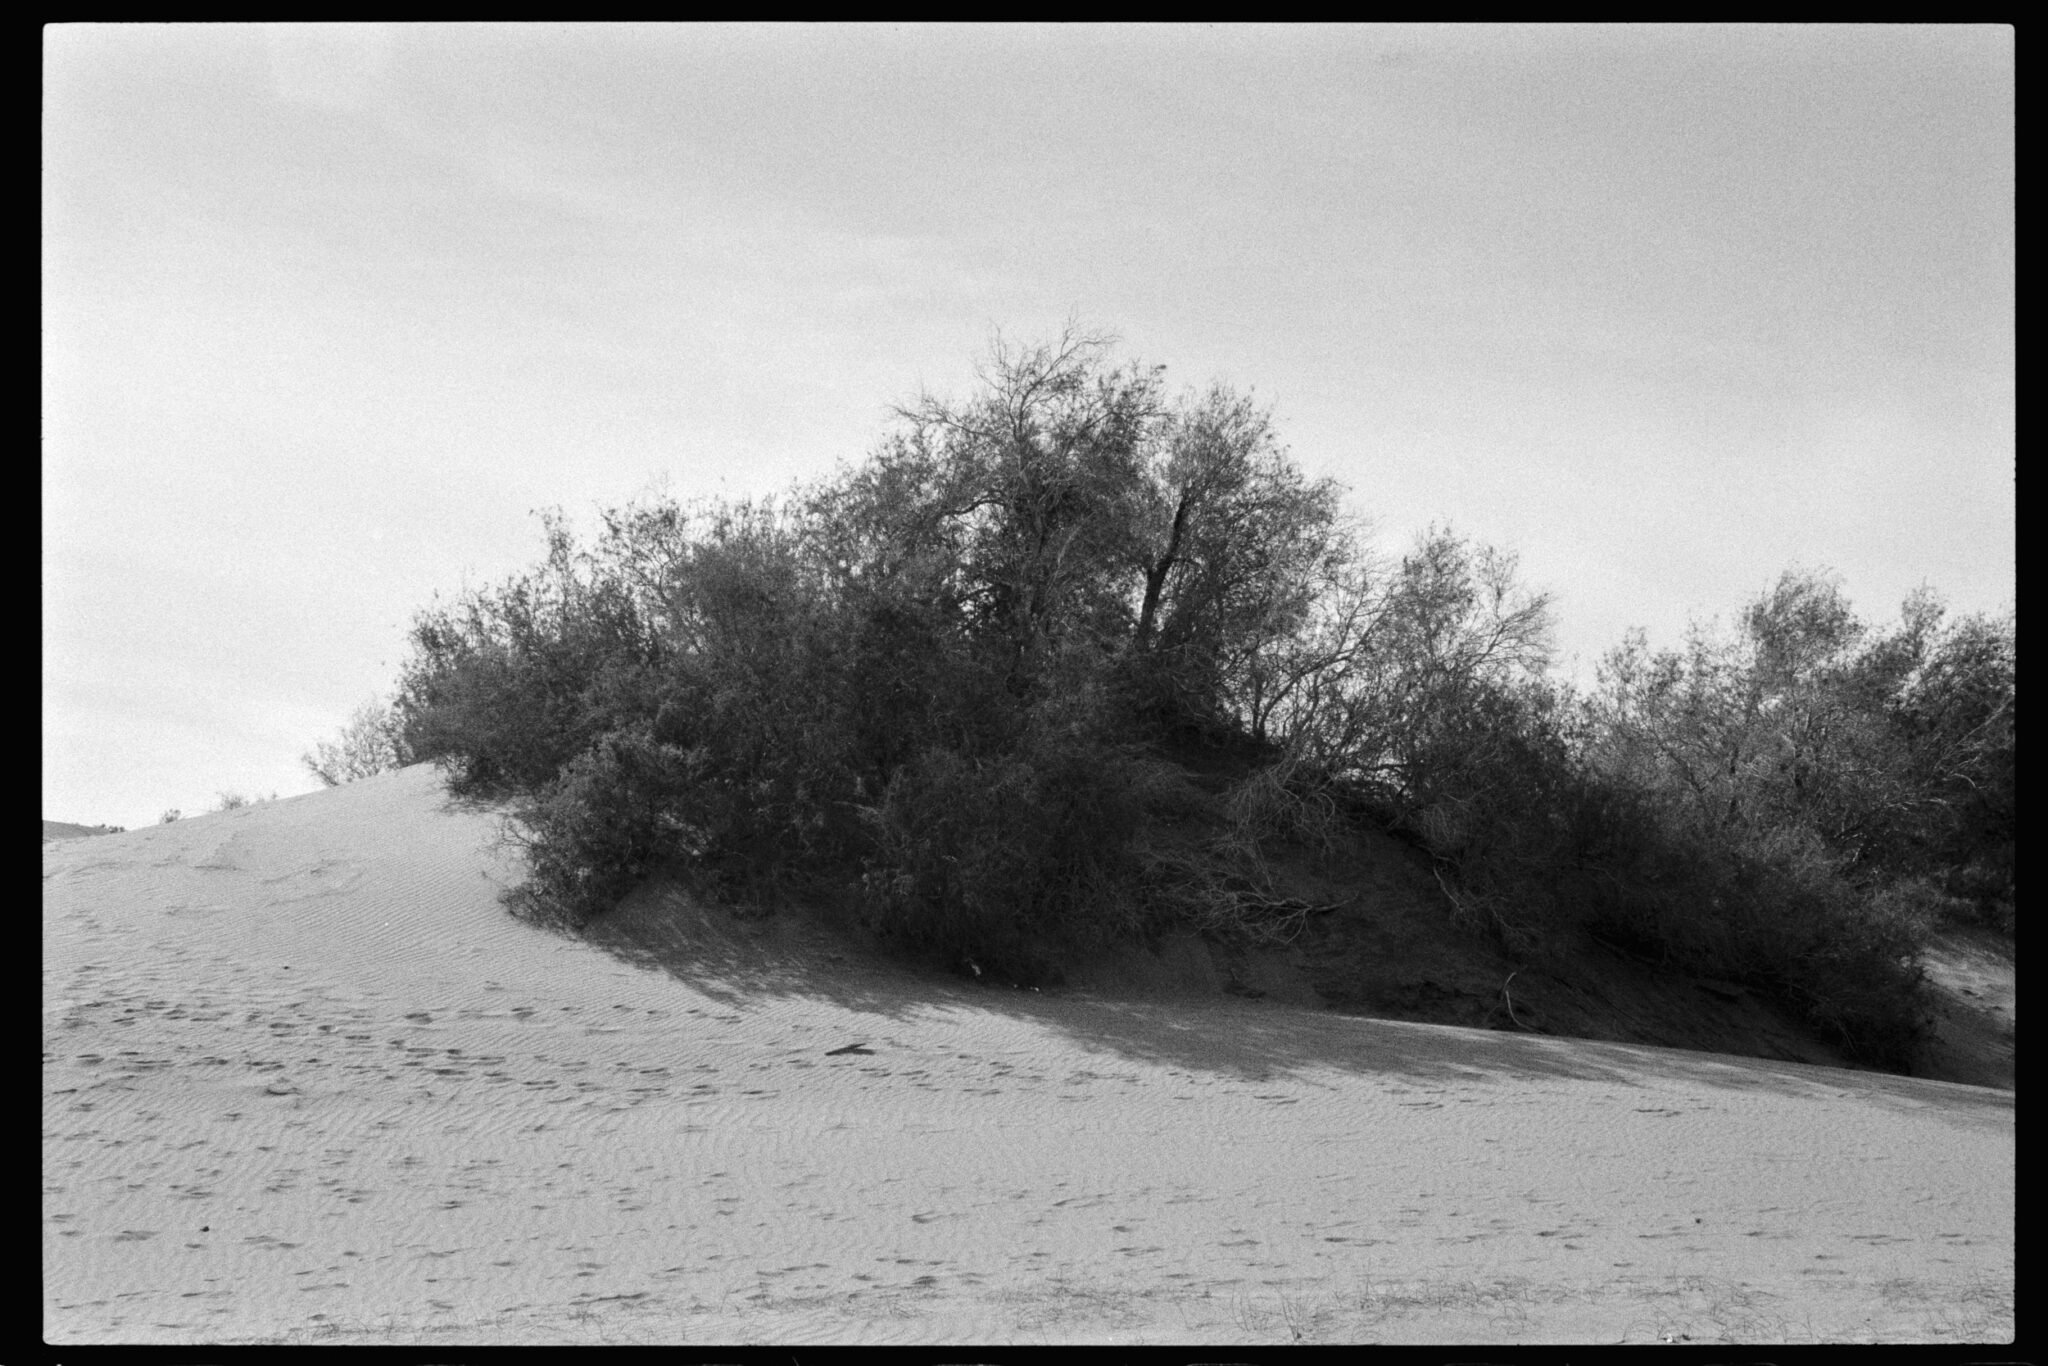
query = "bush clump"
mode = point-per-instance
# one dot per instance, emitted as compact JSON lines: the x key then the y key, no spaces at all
{"x":962,"y":676}
{"x":372,"y":742}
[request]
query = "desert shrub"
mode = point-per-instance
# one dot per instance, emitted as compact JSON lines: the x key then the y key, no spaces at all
{"x":497,"y":717}
{"x":1286,"y":801}
{"x":954,"y":842}
{"x":1781,"y":919}
{"x":1893,"y":745}
{"x":609,"y":819}
{"x":959,"y":672}
{"x":1493,"y":792}
{"x":1769,"y":908}
{"x":499,"y":688}
{"x":171,"y":815}
{"x":1952,"y":730}
{"x":372,"y":742}
{"x":1546,"y":819}
{"x":1802,"y":787}
{"x":1014,"y":859}
{"x":1984,"y":885}
{"x":1918,"y":905}
{"x":1222,"y":880}
{"x":956,"y":629}
{"x":1848,"y":961}
{"x":728,"y":753}
{"x":235,"y":801}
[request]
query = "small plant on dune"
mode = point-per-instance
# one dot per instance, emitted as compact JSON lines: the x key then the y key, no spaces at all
{"x":372,"y":742}
{"x":169,"y":816}
{"x":235,"y":801}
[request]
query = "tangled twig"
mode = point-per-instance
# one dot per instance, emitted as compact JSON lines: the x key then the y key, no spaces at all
{"x":1511,"y":1000}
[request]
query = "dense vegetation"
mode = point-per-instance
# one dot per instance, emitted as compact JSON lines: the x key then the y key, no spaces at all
{"x":988,"y":677}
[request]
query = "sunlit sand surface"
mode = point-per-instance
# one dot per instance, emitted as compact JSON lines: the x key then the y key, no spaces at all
{"x":305,"y":1080}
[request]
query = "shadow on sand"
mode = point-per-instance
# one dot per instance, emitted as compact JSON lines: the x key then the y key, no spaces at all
{"x":748,"y":960}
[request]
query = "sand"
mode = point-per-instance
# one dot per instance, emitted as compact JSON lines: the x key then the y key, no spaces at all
{"x":67,"y":830}
{"x":305,"y":1080}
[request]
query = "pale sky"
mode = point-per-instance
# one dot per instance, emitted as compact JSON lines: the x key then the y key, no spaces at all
{"x":328,"y":311}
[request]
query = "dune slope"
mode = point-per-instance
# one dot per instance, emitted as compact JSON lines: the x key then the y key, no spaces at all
{"x":306,"y":1080}
{"x":70,"y":830}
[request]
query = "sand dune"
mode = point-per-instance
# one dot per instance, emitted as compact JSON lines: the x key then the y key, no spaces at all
{"x":306,"y":1080}
{"x":69,"y":830}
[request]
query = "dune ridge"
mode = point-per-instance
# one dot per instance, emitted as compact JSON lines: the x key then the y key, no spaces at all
{"x":306,"y":1080}
{"x":71,"y":830}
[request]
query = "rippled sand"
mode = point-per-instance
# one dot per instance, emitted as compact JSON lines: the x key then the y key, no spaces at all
{"x":305,"y":1080}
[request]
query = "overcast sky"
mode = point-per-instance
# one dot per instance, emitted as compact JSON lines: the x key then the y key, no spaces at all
{"x":328,"y":311}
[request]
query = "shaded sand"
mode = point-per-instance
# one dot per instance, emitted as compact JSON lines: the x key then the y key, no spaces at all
{"x":1974,"y":992}
{"x":305,"y":1080}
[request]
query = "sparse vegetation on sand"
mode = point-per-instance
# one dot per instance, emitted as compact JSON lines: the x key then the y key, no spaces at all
{"x":1075,"y":658}
{"x":368,"y":745}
